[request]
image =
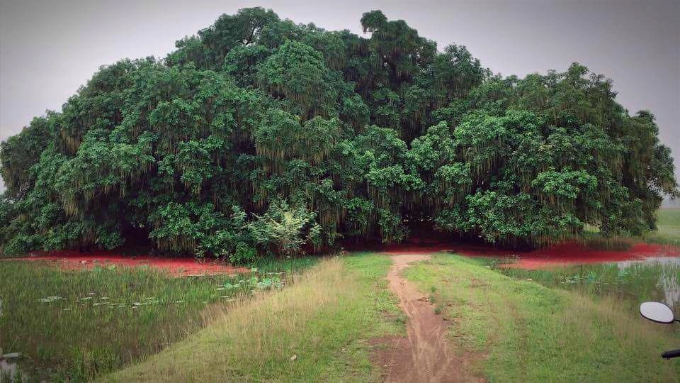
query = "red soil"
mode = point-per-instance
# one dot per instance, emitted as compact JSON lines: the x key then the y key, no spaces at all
{"x":574,"y":253}
{"x":74,"y":260}
{"x":559,"y":255}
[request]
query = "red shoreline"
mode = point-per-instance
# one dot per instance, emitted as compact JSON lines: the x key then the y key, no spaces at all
{"x":569,"y":253}
{"x":75,"y":260}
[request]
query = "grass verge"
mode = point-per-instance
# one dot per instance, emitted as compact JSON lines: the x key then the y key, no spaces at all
{"x":315,"y":330}
{"x":530,"y":332}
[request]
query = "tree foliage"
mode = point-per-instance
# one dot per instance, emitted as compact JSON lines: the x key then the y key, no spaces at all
{"x":259,"y":134}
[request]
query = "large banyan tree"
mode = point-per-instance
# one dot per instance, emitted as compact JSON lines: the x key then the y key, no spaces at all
{"x":259,"y":134}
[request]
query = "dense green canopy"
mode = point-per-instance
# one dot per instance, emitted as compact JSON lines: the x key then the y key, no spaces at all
{"x":259,"y":134}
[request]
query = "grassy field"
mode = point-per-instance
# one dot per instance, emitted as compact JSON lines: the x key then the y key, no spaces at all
{"x":668,"y":224}
{"x":667,"y":232}
{"x":76,"y":325}
{"x":524,"y":331}
{"x":316,"y":330}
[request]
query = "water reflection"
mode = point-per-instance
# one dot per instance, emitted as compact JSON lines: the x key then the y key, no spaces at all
{"x":667,"y":282}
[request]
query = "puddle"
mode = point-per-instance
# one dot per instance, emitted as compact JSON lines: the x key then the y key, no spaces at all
{"x":663,"y":261}
{"x":632,"y":281}
{"x":668,"y":283}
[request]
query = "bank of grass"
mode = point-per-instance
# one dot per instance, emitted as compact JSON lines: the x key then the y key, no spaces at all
{"x":315,"y":330}
{"x":529,"y":332}
{"x":77,"y":325}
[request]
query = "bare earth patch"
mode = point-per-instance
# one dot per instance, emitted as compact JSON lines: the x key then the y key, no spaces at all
{"x":425,"y":354}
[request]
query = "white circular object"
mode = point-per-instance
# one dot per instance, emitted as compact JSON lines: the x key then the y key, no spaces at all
{"x":657,"y":312}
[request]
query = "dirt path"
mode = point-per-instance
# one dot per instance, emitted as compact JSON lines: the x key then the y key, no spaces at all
{"x":425,"y":355}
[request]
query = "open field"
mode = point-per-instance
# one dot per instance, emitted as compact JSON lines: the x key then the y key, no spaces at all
{"x":524,"y":331}
{"x":668,"y":227}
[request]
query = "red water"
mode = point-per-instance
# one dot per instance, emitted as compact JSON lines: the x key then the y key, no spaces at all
{"x":570,"y":253}
{"x":72,"y":260}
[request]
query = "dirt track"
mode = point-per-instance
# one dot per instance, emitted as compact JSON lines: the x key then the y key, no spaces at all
{"x":425,"y":355}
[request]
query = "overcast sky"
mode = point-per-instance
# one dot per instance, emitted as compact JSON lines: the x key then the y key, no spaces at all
{"x":50,"y":48}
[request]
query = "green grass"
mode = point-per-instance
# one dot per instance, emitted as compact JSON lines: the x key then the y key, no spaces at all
{"x":315,"y":330}
{"x":289,"y":265}
{"x":76,"y":325}
{"x":668,"y":224}
{"x":668,"y":232}
{"x":566,"y":324}
{"x":520,"y":330}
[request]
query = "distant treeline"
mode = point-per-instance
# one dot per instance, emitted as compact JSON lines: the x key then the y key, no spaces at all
{"x":259,"y":134}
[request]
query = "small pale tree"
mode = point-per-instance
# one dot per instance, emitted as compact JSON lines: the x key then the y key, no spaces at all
{"x":284,"y":229}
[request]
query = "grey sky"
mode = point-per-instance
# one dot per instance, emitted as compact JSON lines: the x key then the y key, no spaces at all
{"x":50,"y":48}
